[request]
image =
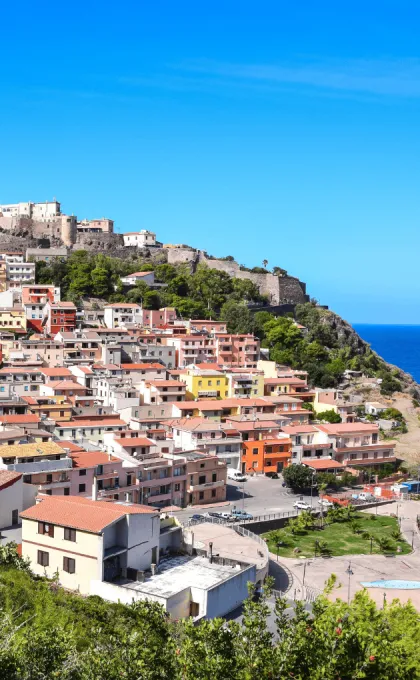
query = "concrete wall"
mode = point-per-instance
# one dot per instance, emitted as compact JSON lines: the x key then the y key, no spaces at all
{"x":228,"y":595}
{"x":11,"y":498}
{"x":114,"y":593}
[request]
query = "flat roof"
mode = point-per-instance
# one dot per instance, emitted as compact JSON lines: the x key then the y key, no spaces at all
{"x":178,"y":573}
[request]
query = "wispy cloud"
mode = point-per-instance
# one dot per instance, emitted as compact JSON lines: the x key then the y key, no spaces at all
{"x":395,"y":78}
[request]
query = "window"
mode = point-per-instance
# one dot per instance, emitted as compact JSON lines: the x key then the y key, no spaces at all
{"x":214,"y":477}
{"x":82,"y":473}
{"x":69,"y":534}
{"x":46,"y":529}
{"x":67,"y":491}
{"x":255,"y":452}
{"x":177,"y":487}
{"x":69,"y":565}
{"x":202,"y":479}
{"x":213,"y":493}
{"x":43,"y":558}
{"x":201,"y":495}
{"x":82,"y":488}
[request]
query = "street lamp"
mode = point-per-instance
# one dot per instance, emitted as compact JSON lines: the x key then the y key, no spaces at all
{"x":279,"y":544}
{"x":350,"y":573}
{"x":312,"y":485}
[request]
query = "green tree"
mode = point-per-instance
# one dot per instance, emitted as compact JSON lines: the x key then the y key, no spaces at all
{"x":298,"y":476}
{"x":237,"y":316}
{"x":329,"y":416}
{"x":101,"y":283}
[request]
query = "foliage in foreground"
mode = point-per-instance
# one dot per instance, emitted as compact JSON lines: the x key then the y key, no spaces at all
{"x":48,"y":633}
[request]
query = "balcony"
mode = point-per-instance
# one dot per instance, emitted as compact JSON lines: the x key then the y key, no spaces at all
{"x":207,"y":393}
{"x":109,"y":475}
{"x":206,"y":485}
{"x":41,"y":466}
{"x":116,"y":489}
{"x":64,"y":483}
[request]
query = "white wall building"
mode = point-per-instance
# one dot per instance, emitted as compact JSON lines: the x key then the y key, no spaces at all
{"x":11,"y":495}
{"x":37,"y":211}
{"x":140,"y":239}
{"x":119,"y":314}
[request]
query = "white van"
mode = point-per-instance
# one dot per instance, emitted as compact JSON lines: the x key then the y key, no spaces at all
{"x":236,"y":475}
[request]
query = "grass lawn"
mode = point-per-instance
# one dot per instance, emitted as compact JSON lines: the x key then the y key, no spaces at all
{"x":339,"y":537}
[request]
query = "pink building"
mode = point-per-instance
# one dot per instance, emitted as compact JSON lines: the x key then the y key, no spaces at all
{"x":190,"y":349}
{"x":237,"y":350}
{"x":162,"y":391}
{"x":115,"y":478}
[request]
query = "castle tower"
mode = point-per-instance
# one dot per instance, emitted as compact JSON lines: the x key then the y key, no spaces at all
{"x":68,"y":229}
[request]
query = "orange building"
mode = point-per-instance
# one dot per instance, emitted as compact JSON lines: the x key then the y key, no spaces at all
{"x":266,"y":455}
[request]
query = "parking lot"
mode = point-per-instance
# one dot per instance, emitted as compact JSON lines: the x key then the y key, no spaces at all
{"x":258,"y":496}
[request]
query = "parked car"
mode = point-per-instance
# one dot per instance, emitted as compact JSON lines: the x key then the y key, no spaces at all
{"x":197,"y":517}
{"x":366,"y":496}
{"x":236,"y":475}
{"x":241,"y":514}
{"x":272,"y":475}
{"x":213,"y":515}
{"x":325,"y":503}
{"x":301,"y":505}
{"x":225,"y":515}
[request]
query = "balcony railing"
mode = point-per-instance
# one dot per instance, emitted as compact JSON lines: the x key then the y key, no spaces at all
{"x":206,"y":485}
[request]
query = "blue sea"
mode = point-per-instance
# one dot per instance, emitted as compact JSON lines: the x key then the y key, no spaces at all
{"x":400,"y":345}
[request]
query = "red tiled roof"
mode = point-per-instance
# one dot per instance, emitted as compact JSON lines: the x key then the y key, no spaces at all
{"x":65,"y":444}
{"x":348,"y":428}
{"x":56,"y":371}
{"x":142,"y":367}
{"x":20,"y":418}
{"x":85,"y":369}
{"x":323,"y":464}
{"x":166,"y":383}
{"x":134,"y":441}
{"x":66,"y":385}
{"x":65,"y":305}
{"x":110,"y":422}
{"x":8,"y":477}
{"x":127,"y":305}
{"x":81,"y":513}
{"x":87,"y":459}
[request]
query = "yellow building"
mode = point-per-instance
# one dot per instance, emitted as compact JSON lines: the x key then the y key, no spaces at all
{"x":87,"y":541}
{"x":205,"y":384}
{"x":13,"y":319}
{"x":55,"y":407}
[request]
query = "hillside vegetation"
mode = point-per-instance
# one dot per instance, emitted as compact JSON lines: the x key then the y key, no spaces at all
{"x":325,"y":350}
{"x":47,"y":633}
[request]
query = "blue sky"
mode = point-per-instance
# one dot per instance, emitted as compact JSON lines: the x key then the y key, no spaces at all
{"x":271,"y":129}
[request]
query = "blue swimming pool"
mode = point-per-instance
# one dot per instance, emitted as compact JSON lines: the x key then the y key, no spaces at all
{"x":394,"y":583}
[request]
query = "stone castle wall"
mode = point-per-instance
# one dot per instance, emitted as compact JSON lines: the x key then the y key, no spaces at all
{"x":279,"y":289}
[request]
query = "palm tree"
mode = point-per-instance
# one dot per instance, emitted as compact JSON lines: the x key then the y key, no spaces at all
{"x":264,"y":263}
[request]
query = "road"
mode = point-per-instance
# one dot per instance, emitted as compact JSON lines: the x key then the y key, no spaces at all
{"x":258,"y":496}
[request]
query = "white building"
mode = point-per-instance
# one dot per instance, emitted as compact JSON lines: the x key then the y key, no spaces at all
{"x":140,"y":239}
{"x":119,"y":314}
{"x":37,"y":211}
{"x":11,"y":495}
{"x":146,"y":277}
{"x":19,"y":273}
{"x":219,"y":439}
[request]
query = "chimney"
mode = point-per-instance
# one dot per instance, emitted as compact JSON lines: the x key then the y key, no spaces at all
{"x":153,"y":569}
{"x":95,"y":488}
{"x":211,"y":552}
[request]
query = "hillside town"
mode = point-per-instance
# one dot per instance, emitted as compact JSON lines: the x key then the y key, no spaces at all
{"x":119,"y":425}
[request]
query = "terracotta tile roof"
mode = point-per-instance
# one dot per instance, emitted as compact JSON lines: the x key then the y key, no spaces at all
{"x":82,"y":513}
{"x":14,"y":369}
{"x":89,"y":459}
{"x":142,"y":367}
{"x":65,"y":444}
{"x":65,"y":305}
{"x":299,"y":429}
{"x":86,"y":370}
{"x":66,"y":385}
{"x":24,"y":418}
{"x":110,"y":422}
{"x":348,"y":428}
{"x":326,"y":464}
{"x":284,"y":381}
{"x":8,"y":477}
{"x":167,"y":383}
{"x":134,"y":441}
{"x":56,"y":371}
{"x":139,"y":274}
